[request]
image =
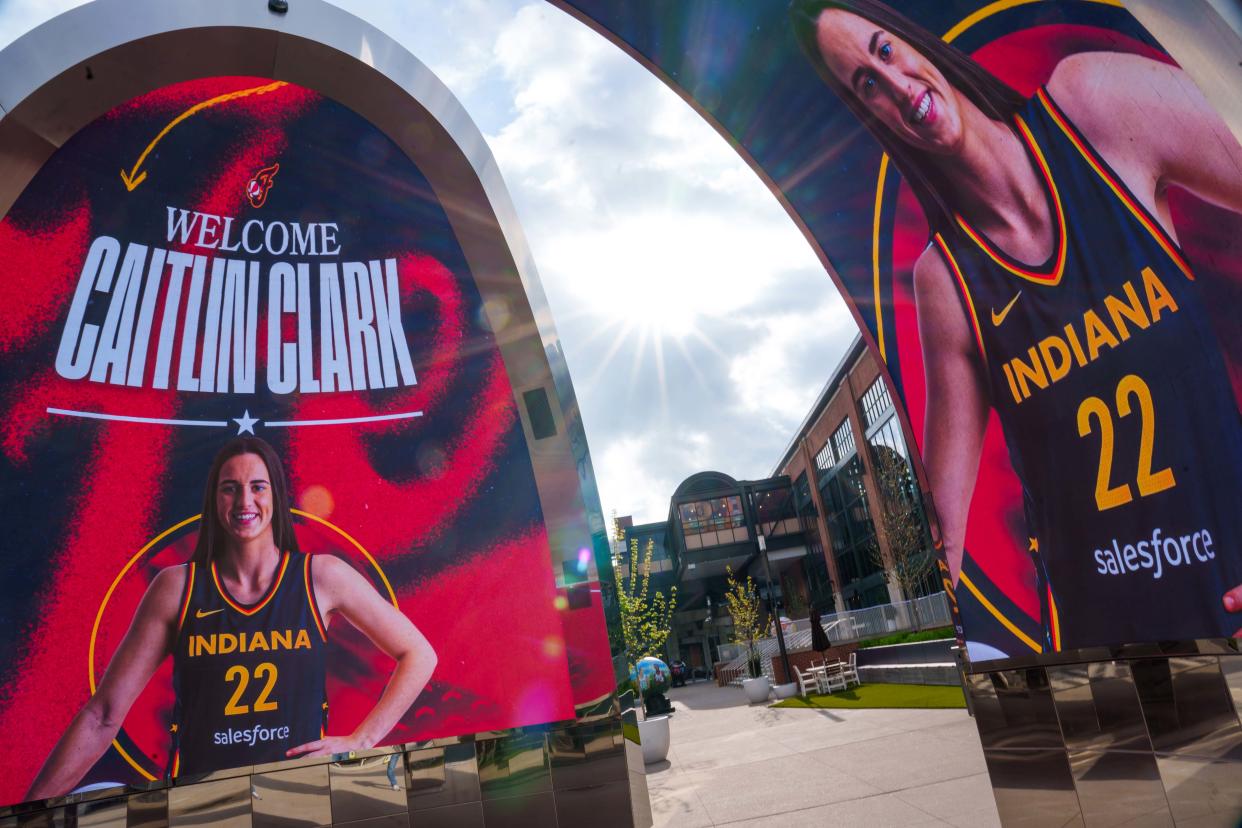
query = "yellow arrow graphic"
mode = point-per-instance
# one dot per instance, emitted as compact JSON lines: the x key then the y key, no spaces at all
{"x":133,"y":178}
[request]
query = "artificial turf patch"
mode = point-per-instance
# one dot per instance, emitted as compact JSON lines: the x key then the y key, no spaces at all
{"x":884,"y":695}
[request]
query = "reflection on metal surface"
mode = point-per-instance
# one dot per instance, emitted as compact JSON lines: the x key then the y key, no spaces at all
{"x":222,"y":773}
{"x":1188,"y":707}
{"x":49,"y":818}
{"x":586,"y":755}
{"x":604,"y":806}
{"x":93,"y":813}
{"x":297,"y":798}
{"x":513,"y":765}
{"x":1202,"y":792}
{"x":224,"y":803}
{"x":1117,"y":788}
{"x":987,"y":712}
{"x":468,"y":815}
{"x":391,"y":821}
{"x":536,"y":811}
{"x":1017,"y":710}
{"x":1104,"y":711}
{"x":1033,"y":787}
{"x":148,"y":810}
{"x":442,"y":776}
{"x":1098,"y":706}
{"x":109,"y":813}
{"x":368,"y":788}
{"x":1231,"y":669}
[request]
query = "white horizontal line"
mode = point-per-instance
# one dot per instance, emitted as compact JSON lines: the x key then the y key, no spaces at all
{"x":345,"y":421}
{"x":124,"y":418}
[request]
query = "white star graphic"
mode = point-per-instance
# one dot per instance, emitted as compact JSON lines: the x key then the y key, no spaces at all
{"x":245,"y":423}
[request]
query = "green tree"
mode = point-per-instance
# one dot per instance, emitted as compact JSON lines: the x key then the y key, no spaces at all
{"x":749,"y":622}
{"x":646,"y":615}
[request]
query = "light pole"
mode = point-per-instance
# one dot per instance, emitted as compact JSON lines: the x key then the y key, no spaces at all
{"x":709,"y":664}
{"x":780,"y":633}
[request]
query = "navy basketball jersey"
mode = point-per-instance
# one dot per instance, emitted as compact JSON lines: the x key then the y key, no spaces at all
{"x":1115,"y":403}
{"x":249,"y":679}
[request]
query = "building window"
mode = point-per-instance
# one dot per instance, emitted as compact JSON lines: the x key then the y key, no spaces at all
{"x":818,"y":581}
{"x":843,"y":440}
{"x":802,"y":496}
{"x":876,"y":402}
{"x":824,"y":461}
{"x":710,"y":515}
{"x":850,"y":528}
{"x":895,"y":479}
{"x":775,"y":514}
{"x":892,"y":460}
{"x":712,"y":522}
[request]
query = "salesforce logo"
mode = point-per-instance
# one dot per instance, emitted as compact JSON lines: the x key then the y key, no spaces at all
{"x":250,"y":736}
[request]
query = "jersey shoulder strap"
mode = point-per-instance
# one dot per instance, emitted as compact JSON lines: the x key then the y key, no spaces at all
{"x":1082,"y":150}
{"x":963,"y":291}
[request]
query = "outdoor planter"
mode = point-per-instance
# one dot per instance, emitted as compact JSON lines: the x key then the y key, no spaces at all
{"x":786,"y":691}
{"x":653,"y":734}
{"x":756,"y":689}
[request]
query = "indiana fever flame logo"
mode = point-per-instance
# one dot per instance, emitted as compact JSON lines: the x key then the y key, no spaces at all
{"x":257,"y":187}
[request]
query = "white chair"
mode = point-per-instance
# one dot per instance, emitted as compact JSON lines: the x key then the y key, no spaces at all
{"x":807,"y":680}
{"x":836,"y":681}
{"x":849,"y":670}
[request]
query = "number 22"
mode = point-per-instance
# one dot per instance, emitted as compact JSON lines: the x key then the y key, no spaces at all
{"x":1108,"y":496}
{"x":241,"y":675}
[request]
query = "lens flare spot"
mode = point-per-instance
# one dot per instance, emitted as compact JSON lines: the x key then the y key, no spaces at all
{"x":318,"y":501}
{"x":495,"y":314}
{"x":560,"y":602}
{"x":553,"y":647}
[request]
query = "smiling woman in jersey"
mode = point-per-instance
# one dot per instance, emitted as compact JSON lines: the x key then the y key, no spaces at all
{"x":1053,"y":290}
{"x":246,"y":623}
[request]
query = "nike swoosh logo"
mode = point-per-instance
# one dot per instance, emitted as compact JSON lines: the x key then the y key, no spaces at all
{"x":998,"y":318}
{"x":201,"y":614}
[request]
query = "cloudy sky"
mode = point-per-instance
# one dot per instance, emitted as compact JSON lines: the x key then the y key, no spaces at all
{"x":696,"y":320}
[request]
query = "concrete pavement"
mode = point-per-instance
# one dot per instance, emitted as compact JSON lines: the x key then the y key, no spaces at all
{"x":732,"y":764}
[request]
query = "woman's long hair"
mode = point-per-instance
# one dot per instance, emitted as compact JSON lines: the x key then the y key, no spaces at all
{"x":993,"y":97}
{"x":211,"y":534}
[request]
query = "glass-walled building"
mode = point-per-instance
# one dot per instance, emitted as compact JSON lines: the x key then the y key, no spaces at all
{"x":842,"y":509}
{"x":866,"y":498}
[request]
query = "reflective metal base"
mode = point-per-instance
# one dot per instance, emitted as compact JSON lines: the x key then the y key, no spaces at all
{"x":561,"y":775}
{"x":1151,"y":736}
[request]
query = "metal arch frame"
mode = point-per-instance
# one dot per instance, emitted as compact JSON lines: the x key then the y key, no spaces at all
{"x":63,"y":74}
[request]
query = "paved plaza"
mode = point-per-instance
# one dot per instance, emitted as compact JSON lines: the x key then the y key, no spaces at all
{"x":733,"y":764}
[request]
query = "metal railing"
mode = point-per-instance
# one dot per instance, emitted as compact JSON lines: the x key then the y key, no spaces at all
{"x":843,"y":628}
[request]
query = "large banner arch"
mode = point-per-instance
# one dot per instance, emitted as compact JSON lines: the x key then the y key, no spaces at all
{"x":220,"y":223}
{"x":1086,"y":510}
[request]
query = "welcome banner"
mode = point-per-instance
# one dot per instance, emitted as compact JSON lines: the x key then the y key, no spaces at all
{"x":238,"y":256}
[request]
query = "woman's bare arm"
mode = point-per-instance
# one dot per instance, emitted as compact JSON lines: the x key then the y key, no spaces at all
{"x":1153,"y":126}
{"x":150,"y":638}
{"x":340,"y":589}
{"x":957,"y":404}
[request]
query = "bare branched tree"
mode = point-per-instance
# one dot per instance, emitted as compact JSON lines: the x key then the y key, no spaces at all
{"x":911,"y":560}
